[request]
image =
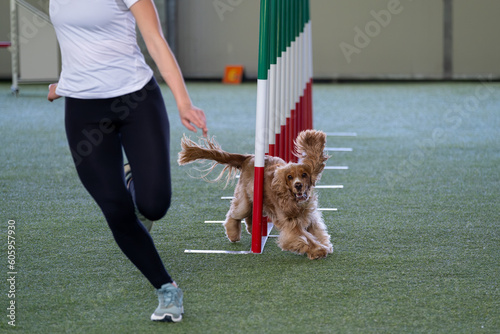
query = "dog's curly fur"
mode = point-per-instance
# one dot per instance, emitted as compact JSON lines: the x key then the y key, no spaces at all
{"x":289,"y":199}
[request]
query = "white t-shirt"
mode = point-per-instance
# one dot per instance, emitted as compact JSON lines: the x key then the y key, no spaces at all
{"x":100,"y":55}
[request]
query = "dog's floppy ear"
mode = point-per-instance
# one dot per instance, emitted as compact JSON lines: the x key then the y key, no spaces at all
{"x":278,"y":184}
{"x":309,"y":148}
{"x":284,"y":199}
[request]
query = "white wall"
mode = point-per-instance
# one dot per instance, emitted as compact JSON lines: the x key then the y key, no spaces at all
{"x":476,"y":41}
{"x":210,"y":38}
{"x":377,"y":38}
{"x":38,"y":48}
{"x":406,"y":45}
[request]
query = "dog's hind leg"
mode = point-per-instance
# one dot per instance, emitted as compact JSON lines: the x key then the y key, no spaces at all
{"x":240,"y":209}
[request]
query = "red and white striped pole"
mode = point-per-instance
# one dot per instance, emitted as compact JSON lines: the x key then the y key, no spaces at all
{"x":260,"y":126}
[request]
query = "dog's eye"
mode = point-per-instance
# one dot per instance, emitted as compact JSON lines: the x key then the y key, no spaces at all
{"x":290,"y":177}
{"x":304,"y":175}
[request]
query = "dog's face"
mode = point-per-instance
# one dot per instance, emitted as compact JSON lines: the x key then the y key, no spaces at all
{"x":296,"y":178}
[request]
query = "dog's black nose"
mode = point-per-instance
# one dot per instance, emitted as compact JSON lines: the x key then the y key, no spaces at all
{"x":298,"y":186}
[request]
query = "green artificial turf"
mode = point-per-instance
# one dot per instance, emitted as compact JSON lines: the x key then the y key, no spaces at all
{"x":416,"y":236}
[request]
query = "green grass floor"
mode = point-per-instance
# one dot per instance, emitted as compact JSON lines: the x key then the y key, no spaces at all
{"x":416,"y":236}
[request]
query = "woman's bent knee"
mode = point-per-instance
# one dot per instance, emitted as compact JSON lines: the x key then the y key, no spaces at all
{"x":155,"y":209}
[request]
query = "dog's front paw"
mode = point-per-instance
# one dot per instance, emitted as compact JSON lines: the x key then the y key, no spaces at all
{"x":329,"y":248}
{"x":233,"y":237}
{"x":318,"y":253}
{"x":233,"y":229}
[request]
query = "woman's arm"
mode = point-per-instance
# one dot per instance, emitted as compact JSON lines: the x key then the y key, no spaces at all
{"x":148,"y":22}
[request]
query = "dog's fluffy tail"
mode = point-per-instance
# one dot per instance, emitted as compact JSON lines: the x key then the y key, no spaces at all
{"x":209,"y":149}
{"x":309,"y":148}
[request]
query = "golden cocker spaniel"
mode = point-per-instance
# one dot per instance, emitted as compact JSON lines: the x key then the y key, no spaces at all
{"x":289,"y":199}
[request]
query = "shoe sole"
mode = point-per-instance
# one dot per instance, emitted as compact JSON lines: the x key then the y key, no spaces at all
{"x":166,"y":318}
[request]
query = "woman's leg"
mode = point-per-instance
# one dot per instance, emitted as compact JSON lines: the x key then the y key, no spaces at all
{"x":145,"y":138}
{"x":94,"y":138}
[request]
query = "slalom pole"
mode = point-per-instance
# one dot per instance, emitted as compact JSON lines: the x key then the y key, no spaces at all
{"x":309,"y":67}
{"x":260,"y":126}
{"x":279,"y":79}
{"x":283,"y":79}
{"x":272,"y":75}
{"x":295,"y":66}
{"x":302,"y":69}
{"x":289,"y":81}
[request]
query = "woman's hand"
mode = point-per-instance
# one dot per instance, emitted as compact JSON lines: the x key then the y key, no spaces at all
{"x":192,"y":118}
{"x":52,"y":93}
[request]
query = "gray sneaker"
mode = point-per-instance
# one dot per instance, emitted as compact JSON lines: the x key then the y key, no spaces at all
{"x":148,"y":224}
{"x":170,"y":308}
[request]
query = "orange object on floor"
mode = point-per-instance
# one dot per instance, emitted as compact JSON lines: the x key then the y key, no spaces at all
{"x":233,"y":74}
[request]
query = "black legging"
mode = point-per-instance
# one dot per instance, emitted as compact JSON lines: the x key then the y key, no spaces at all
{"x":97,"y":129}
